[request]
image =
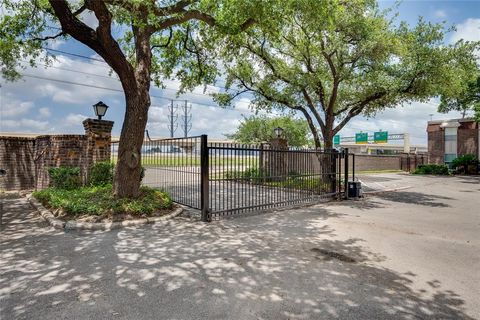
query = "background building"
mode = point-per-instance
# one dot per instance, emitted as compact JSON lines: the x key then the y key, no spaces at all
{"x":448,"y":139}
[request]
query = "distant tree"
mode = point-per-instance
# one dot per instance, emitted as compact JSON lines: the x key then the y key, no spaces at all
{"x":258,"y":129}
{"x":332,"y":61}
{"x":141,"y":40}
{"x":465,"y":99}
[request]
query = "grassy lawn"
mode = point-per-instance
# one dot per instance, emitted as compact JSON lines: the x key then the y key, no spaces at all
{"x":170,"y":160}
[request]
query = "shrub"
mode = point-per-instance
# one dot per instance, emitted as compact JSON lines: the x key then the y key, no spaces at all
{"x":101,"y":174}
{"x":67,"y":178}
{"x":464,"y":161}
{"x":439,"y":169}
{"x":99,"y":200}
{"x":251,"y":173}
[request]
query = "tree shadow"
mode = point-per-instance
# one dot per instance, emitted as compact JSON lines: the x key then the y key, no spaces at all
{"x":269,"y":266}
{"x":469,"y":179}
{"x":416,"y":198}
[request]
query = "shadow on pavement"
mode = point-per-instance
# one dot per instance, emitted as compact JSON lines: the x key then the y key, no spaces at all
{"x":259,"y":267}
{"x":416,"y":198}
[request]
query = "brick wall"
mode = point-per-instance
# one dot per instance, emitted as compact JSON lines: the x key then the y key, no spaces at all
{"x":16,"y":162}
{"x":467,"y":137}
{"x":59,"y":151}
{"x":26,"y":160}
{"x":436,"y":146}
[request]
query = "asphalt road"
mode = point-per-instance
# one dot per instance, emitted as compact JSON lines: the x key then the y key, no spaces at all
{"x":412,"y":254}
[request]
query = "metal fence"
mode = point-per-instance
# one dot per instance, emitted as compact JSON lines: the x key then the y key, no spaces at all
{"x":228,"y":179}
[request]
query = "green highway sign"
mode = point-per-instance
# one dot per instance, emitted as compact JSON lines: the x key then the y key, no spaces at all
{"x":380,"y":137}
{"x":336,"y":140}
{"x":361,"y":138}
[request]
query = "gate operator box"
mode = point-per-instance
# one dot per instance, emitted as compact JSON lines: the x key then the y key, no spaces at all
{"x":354,"y":189}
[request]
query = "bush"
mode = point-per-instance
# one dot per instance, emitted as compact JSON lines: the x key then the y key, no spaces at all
{"x":99,"y":200}
{"x":439,"y":169}
{"x":67,"y":178}
{"x":464,"y":161}
{"x":101,"y":174}
{"x":251,"y":173}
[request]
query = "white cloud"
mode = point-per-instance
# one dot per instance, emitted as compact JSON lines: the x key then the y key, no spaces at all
{"x":440,"y":13}
{"x":44,"y":112}
{"x":411,"y":118}
{"x":469,"y":30}
{"x":74,"y":120}
{"x":15,"y":108}
{"x":242,"y":104}
{"x":24,"y":125}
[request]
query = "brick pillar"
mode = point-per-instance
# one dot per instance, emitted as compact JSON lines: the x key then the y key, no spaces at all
{"x":98,"y":134}
{"x":276,"y":162}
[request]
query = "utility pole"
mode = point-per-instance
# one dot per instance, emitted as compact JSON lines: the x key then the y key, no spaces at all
{"x":187,"y":118}
{"x":173,"y":119}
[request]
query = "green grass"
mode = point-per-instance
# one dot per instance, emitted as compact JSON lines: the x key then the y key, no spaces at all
{"x":100,"y":201}
{"x":174,"y":161}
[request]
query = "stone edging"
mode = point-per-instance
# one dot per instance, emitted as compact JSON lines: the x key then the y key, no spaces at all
{"x":73,"y":225}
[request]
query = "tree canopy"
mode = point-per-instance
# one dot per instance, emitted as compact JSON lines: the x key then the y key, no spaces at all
{"x":332,"y":61}
{"x":466,"y":99}
{"x":260,"y":129}
{"x":142,"y":41}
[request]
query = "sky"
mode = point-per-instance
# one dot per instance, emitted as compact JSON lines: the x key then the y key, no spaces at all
{"x":39,"y":104}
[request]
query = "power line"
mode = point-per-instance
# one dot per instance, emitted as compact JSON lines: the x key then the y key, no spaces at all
{"x":117,"y":90}
{"x":116,"y":79}
{"x":76,"y":55}
{"x":103,"y":61}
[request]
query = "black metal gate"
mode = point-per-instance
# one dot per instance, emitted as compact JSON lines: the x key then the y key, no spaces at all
{"x":228,"y":179}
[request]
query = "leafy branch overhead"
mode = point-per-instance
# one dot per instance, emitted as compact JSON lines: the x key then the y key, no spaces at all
{"x":142,"y":41}
{"x":331,"y":62}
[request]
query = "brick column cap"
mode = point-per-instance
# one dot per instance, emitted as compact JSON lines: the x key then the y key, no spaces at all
{"x":97,"y":126}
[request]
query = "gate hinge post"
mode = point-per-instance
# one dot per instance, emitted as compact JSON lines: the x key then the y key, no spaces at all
{"x":204,"y":180}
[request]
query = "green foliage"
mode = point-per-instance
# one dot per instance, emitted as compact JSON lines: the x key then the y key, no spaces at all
{"x":99,"y":200}
{"x":258,"y":129}
{"x":67,"y":178}
{"x":101,"y":173}
{"x":464,"y":99}
{"x":254,"y":174}
{"x":437,"y":169}
{"x":464,"y":161}
{"x":332,"y":61}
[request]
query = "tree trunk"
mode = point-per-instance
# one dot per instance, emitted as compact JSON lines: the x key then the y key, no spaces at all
{"x":128,"y":169}
{"x":327,"y":140}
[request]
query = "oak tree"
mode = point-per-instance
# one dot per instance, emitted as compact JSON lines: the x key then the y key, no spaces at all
{"x":331,"y":61}
{"x":260,"y":129}
{"x":141,"y":40}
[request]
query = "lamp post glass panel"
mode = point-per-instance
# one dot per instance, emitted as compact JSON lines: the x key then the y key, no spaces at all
{"x":100,"y":109}
{"x":278,"y":132}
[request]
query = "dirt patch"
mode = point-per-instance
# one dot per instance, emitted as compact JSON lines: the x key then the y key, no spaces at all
{"x":327,"y":255}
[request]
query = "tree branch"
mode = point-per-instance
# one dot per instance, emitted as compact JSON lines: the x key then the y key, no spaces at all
{"x":100,"y":41}
{"x":62,"y":33}
{"x":166,"y":44}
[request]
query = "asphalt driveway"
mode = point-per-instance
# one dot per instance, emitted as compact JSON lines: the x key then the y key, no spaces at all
{"x":412,"y":254}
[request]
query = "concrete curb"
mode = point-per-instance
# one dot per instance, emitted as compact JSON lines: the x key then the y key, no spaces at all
{"x":105,"y":226}
{"x":386,"y":190}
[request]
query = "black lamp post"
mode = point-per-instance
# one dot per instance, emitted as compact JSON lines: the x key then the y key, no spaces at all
{"x":100,"y":109}
{"x":278,"y":132}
